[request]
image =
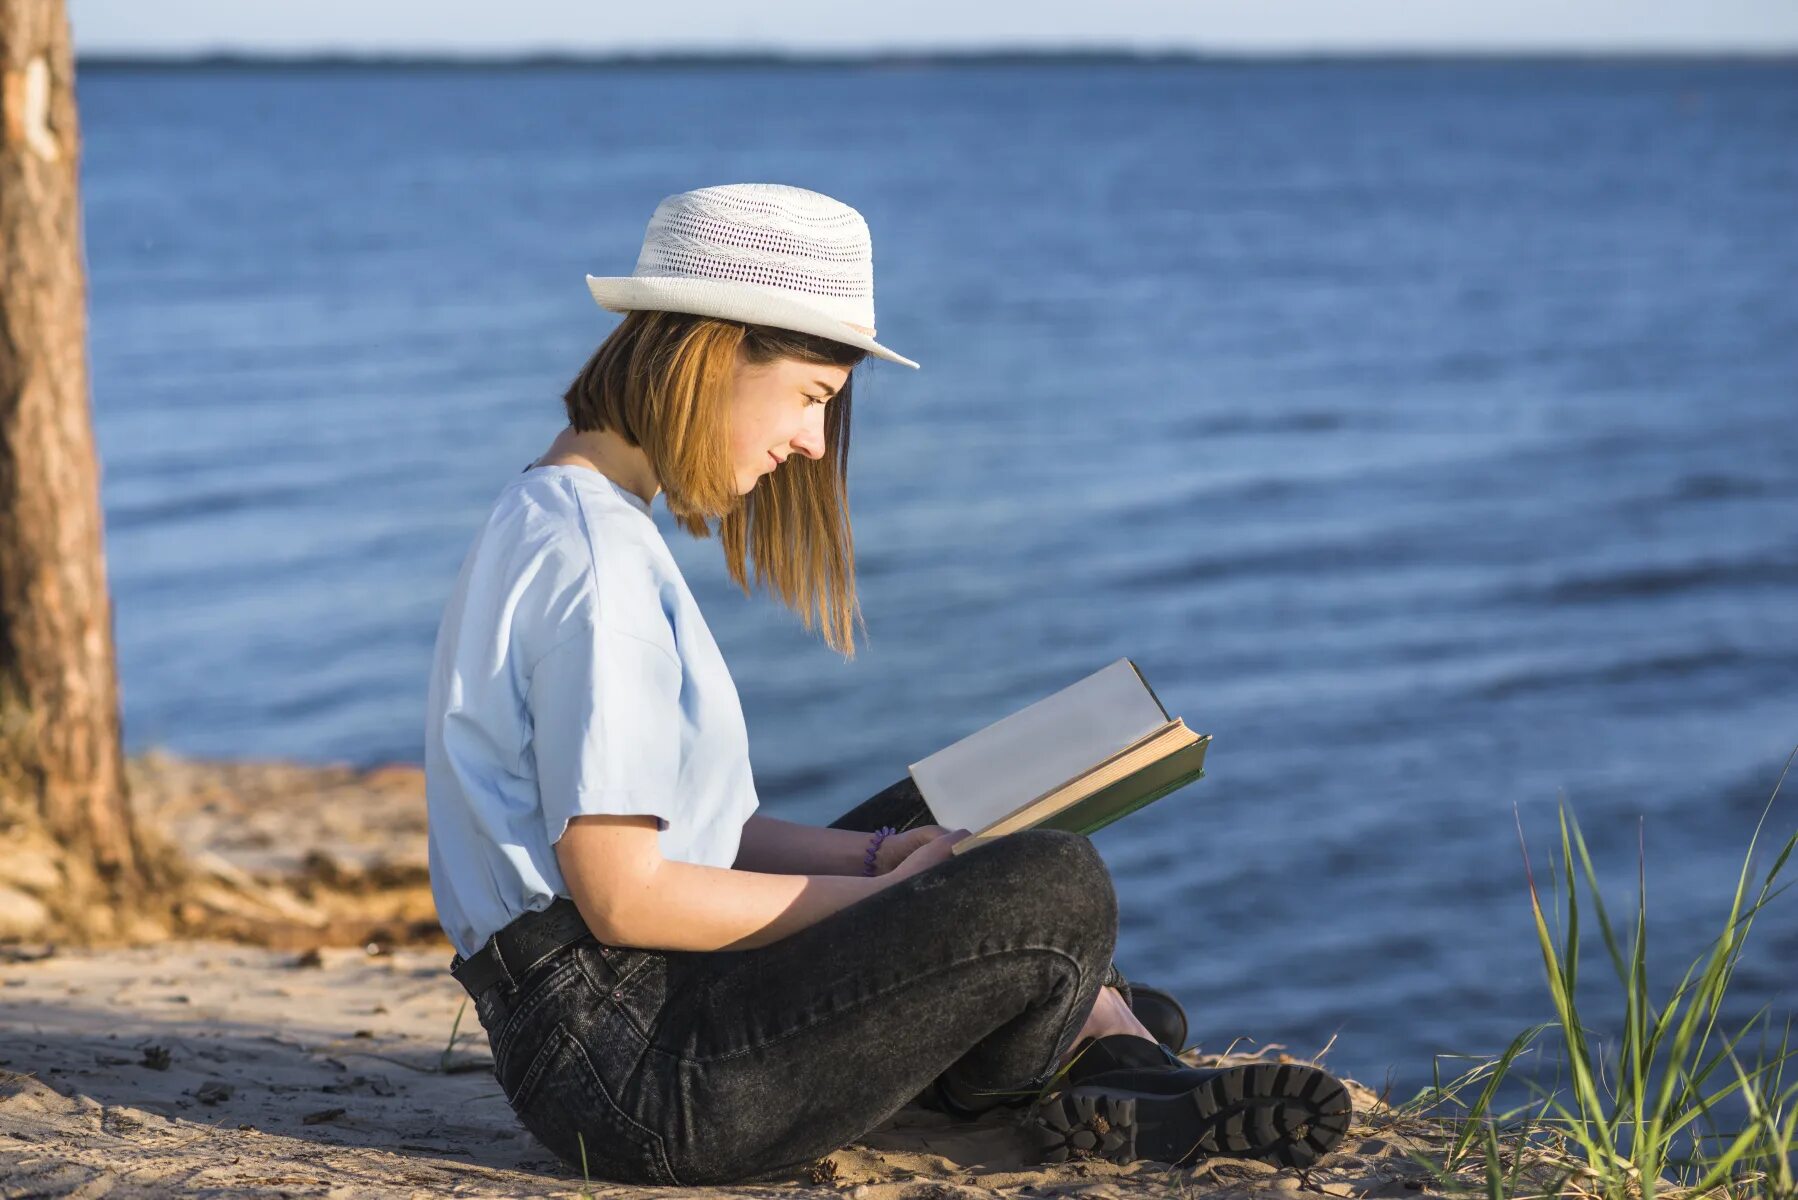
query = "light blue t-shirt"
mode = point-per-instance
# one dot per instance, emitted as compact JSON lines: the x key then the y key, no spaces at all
{"x":573,"y":674}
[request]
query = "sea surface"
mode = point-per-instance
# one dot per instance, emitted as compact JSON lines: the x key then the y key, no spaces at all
{"x":1427,"y":432}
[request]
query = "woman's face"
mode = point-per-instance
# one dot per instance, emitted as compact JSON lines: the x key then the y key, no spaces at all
{"x":777,"y":410}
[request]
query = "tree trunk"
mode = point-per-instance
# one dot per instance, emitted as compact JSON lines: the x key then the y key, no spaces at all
{"x":62,"y":780}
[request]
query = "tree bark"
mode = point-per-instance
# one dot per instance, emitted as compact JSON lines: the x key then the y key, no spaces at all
{"x":61,"y":759}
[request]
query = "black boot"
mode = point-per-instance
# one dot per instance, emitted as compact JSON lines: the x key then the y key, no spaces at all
{"x":1159,"y":1012}
{"x":1116,"y":1052}
{"x":946,"y":1096}
{"x":1092,"y":1057}
{"x":1125,"y":1098}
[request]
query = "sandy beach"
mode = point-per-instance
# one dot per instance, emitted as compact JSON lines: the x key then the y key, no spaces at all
{"x":206,"y":1066}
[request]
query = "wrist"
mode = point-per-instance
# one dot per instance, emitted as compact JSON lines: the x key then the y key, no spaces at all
{"x":877,"y":857}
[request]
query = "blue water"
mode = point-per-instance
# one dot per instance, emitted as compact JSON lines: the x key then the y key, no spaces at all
{"x":1425,"y":432}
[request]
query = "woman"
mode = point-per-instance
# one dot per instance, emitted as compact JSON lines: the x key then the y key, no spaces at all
{"x":678,"y":989}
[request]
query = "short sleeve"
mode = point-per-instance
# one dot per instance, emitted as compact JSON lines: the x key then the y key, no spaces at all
{"x":606,"y":728}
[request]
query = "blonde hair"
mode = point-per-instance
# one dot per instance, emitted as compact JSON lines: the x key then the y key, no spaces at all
{"x":661,"y":381}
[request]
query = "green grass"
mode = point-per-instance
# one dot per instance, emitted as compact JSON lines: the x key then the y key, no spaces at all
{"x":443,"y":1060}
{"x":1676,"y":1107}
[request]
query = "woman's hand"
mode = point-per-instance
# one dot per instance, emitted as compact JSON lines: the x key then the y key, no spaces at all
{"x":895,"y":848}
{"x":927,"y":846}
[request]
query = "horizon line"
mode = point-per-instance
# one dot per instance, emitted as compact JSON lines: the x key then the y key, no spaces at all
{"x":943,"y":56}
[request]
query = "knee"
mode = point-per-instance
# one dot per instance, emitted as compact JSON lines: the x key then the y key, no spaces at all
{"x":1053,"y":875}
{"x":1071,"y":855}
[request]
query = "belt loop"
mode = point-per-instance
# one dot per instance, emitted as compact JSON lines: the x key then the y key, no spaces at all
{"x":499,"y":960}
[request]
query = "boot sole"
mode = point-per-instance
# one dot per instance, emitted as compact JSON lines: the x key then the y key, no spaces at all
{"x":1286,"y":1114}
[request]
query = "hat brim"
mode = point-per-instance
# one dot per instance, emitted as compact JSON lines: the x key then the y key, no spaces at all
{"x":732,"y":299}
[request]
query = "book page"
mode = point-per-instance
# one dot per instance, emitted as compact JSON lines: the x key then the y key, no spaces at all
{"x":975,"y":781}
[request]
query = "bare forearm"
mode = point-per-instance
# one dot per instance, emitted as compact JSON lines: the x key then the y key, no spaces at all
{"x":789,"y":848}
{"x":685,"y":906}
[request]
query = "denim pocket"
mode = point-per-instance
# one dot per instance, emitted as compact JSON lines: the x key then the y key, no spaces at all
{"x":634,"y":981}
{"x":621,"y":962}
{"x":565,"y":1104}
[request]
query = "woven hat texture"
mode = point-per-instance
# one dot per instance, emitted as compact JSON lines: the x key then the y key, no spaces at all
{"x":766,"y":253}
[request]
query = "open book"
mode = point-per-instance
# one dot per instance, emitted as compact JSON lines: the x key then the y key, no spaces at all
{"x":1077,"y":760}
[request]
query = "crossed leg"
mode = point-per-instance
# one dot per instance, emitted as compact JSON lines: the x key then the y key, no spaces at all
{"x":902,"y":806}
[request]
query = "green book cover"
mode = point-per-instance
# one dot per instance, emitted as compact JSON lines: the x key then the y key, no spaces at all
{"x":1132,"y":792}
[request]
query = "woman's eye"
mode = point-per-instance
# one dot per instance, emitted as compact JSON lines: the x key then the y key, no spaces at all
{"x":818,"y":399}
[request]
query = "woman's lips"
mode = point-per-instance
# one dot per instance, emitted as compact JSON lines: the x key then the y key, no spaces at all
{"x":772,"y":459}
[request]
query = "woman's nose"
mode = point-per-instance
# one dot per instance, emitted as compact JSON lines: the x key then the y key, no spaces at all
{"x":810,"y":439}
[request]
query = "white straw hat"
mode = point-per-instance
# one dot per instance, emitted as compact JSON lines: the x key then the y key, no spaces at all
{"x":765,"y":253}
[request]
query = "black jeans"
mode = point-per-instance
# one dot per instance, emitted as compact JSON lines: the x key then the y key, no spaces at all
{"x":704,"y":1067}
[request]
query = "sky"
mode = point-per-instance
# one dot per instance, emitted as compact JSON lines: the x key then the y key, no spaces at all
{"x":463,"y":27}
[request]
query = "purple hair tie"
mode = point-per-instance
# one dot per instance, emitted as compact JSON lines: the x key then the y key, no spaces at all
{"x":880,"y":835}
